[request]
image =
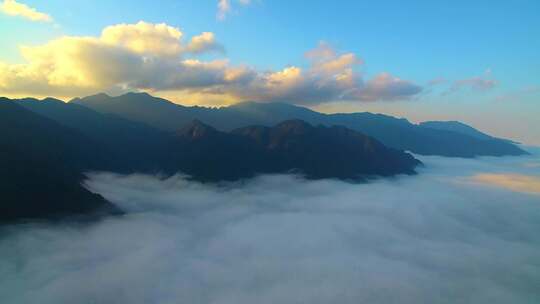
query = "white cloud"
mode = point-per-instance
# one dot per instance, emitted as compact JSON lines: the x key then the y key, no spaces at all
{"x":225,"y":7}
{"x":330,"y":77}
{"x":14,"y":8}
{"x":144,"y":38}
{"x":282,"y":239}
{"x":203,"y":43}
{"x":387,"y":87}
{"x":152,"y":57}
{"x":126,"y":55}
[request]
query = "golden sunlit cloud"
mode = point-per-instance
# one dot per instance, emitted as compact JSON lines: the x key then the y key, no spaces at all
{"x":514,"y":182}
{"x":203,"y":43}
{"x":144,"y":38}
{"x":72,"y":66}
{"x":152,"y":57}
{"x":14,"y":8}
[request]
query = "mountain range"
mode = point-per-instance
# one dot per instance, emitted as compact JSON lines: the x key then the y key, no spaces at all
{"x":432,"y":138}
{"x":47,"y":146}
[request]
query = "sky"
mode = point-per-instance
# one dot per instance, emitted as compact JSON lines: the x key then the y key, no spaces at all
{"x":473,"y":61}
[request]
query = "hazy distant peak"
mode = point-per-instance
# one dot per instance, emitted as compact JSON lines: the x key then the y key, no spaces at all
{"x":52,"y":100}
{"x":244,"y":103}
{"x":137,"y":94}
{"x":258,"y":104}
{"x":446,"y":122}
{"x":296,"y":126}
{"x":197,"y":129}
{"x":456,"y":126}
{"x":102,"y":95}
{"x":98,"y":96}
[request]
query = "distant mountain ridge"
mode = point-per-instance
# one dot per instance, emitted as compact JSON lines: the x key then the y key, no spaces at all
{"x":459,"y":127}
{"x":424,"y":139}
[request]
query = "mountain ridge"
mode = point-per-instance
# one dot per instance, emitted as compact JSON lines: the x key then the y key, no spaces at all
{"x":48,"y":145}
{"x":397,"y":133}
{"x":316,"y":151}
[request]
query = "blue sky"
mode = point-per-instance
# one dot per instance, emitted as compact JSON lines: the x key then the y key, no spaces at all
{"x":484,"y":55}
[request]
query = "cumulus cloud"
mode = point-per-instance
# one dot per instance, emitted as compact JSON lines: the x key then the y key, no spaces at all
{"x":432,"y":238}
{"x":144,"y":38}
{"x":67,"y":66}
{"x":152,"y":57}
{"x":388,"y":87}
{"x":203,"y":43}
{"x":14,"y":8}
{"x":125,"y":55}
{"x":330,"y":77}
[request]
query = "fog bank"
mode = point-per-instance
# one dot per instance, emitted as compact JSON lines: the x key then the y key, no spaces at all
{"x":456,"y":233}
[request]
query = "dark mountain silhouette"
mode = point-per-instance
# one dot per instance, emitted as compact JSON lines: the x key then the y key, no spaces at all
{"x":392,"y":132}
{"x":41,"y":165}
{"x":142,"y":107}
{"x":316,"y":152}
{"x":322,"y":152}
{"x":131,"y":146}
{"x":210,"y":155}
{"x":197,"y":130}
{"x":47,"y":145}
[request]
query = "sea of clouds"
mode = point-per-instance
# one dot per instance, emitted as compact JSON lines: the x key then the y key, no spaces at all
{"x":462,"y":231}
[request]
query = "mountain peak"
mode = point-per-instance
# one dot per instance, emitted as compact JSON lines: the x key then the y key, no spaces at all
{"x":456,"y":126}
{"x":52,"y":100}
{"x":96,"y":98}
{"x":197,"y":129}
{"x":144,"y":98}
{"x":296,"y":126}
{"x":140,"y":94}
{"x":99,"y":96}
{"x":265,"y":105}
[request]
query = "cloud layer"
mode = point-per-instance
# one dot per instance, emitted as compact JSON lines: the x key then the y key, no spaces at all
{"x":438,"y":237}
{"x":14,"y":8}
{"x":153,"y":57}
